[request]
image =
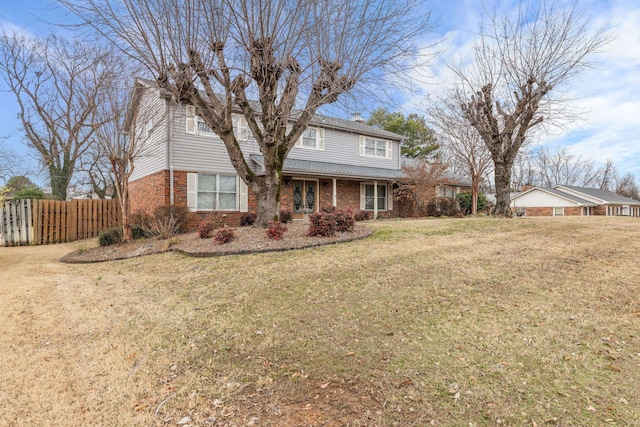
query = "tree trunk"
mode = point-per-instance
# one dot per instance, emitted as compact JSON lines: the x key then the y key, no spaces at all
{"x":59,"y":183}
{"x":123,"y":200}
{"x":502,"y":176}
{"x":268,"y":196}
{"x":475,"y":189}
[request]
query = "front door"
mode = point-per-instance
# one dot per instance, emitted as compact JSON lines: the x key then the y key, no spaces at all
{"x":305,"y":197}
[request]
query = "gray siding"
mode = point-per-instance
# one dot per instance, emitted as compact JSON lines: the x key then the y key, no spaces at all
{"x":207,"y":153}
{"x":153,"y":155}
{"x":201,"y":153}
{"x":343,"y":148}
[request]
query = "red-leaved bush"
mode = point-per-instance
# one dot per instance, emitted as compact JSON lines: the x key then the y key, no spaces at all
{"x":322,"y":224}
{"x":247,"y":219}
{"x":345,"y":220}
{"x":362,"y":216}
{"x":224,"y":235}
{"x":285,"y":216}
{"x":205,"y":228}
{"x":275,"y":230}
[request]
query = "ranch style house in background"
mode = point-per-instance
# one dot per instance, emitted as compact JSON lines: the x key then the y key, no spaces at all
{"x":565,"y":200}
{"x":341,"y":163}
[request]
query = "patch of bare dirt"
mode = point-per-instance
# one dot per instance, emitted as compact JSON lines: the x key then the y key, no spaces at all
{"x":247,"y":240}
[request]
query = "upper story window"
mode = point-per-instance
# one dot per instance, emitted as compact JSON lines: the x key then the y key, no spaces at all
{"x":195,"y":125}
{"x":312,"y":138}
{"x":373,"y":147}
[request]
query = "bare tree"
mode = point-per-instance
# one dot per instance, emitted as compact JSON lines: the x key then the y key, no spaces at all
{"x":56,"y":84}
{"x":607,"y":175}
{"x":463,"y":143}
{"x":118,"y":149}
{"x":523,"y":171}
{"x":290,"y":57}
{"x":420,"y":182}
{"x":627,"y":187}
{"x":7,"y":160}
{"x":563,"y":168}
{"x":520,"y":65}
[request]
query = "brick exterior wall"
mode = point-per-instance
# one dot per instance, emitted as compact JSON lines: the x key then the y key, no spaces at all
{"x":538,"y":211}
{"x":150,"y":192}
{"x":575,"y":211}
{"x":348,"y":196}
{"x":600,"y":210}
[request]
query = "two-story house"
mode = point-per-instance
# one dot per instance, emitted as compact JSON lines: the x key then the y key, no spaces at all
{"x":341,"y":163}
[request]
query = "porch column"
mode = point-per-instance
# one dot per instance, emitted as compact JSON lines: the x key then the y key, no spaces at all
{"x":335,"y":193}
{"x":375,"y":199}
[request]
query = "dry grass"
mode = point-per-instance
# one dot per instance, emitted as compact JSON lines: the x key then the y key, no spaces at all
{"x":448,"y":322}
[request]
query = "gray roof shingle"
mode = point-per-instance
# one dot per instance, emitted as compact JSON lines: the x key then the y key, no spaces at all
{"x":333,"y":169}
{"x":604,"y":195}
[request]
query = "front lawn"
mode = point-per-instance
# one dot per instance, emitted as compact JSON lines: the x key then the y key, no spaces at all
{"x":450,"y":322}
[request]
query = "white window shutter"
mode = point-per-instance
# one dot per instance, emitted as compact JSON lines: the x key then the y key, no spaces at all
{"x":389,"y":150}
{"x":361,"y":145}
{"x":320,"y":139}
{"x":244,"y":195}
{"x":363,"y":192}
{"x":192,"y":191}
{"x":190,"y":112}
{"x":390,"y":197}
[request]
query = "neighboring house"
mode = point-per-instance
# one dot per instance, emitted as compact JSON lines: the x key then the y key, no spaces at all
{"x":341,"y":163}
{"x":564,"y":200}
{"x":450,"y":185}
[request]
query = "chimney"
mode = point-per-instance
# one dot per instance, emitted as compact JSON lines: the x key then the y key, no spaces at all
{"x":526,"y":187}
{"x":356,"y":117}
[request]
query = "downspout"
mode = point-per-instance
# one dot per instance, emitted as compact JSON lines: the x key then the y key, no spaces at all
{"x":168,"y":127}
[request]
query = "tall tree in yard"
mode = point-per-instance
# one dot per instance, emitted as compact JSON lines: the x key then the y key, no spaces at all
{"x":57,"y":84}
{"x":463,"y":144}
{"x":520,"y":64}
{"x":290,"y":57}
{"x":120,"y":149}
{"x":420,"y":140}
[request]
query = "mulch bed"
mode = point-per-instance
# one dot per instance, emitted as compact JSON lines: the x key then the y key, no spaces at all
{"x":248,"y":240}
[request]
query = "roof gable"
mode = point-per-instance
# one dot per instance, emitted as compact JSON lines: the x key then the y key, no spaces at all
{"x":597,"y":195}
{"x":546,"y":196}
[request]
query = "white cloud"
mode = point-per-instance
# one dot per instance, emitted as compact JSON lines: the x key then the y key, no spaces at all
{"x":608,"y":95}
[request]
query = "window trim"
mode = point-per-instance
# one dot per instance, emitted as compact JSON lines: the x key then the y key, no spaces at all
{"x":193,"y":122}
{"x":555,"y":212}
{"x":388,"y":150}
{"x":319,"y":146}
{"x":193,"y":192}
{"x":388,"y":197}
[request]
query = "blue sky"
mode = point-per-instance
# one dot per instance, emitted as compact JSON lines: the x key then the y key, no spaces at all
{"x":608,"y":95}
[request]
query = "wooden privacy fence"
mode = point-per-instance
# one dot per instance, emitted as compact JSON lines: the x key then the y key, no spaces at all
{"x":37,"y":222}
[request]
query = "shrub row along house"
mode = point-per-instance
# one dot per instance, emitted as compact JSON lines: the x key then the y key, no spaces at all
{"x":341,"y":163}
{"x":564,"y":200}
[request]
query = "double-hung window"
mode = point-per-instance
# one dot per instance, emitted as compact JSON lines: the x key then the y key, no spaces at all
{"x":216,"y":192}
{"x":195,"y":125}
{"x":368,"y":197}
{"x":373,"y":147}
{"x":312,"y":138}
{"x":558,"y":211}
